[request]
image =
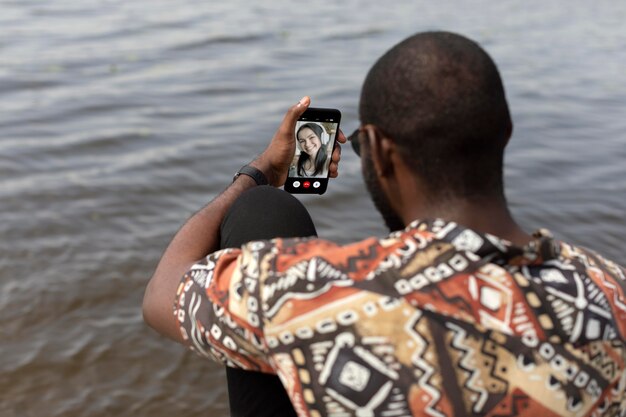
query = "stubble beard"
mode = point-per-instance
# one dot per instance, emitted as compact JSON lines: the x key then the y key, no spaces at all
{"x":380,"y":200}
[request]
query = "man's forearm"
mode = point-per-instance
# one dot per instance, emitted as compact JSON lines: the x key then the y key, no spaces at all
{"x":198,"y":237}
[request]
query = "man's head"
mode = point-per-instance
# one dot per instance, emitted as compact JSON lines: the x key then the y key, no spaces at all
{"x":437,"y":99}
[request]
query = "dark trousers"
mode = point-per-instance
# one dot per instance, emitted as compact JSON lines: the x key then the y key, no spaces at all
{"x":261,"y":213}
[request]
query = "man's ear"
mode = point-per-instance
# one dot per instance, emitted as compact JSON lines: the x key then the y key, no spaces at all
{"x":382,"y":149}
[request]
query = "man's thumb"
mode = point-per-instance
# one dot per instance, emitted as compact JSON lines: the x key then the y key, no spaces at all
{"x":304,"y":101}
{"x":295,"y":112}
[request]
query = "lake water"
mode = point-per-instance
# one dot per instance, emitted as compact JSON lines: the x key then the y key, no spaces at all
{"x":119,"y":119}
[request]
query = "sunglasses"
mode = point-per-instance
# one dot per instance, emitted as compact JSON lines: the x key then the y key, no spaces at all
{"x":354,"y":141}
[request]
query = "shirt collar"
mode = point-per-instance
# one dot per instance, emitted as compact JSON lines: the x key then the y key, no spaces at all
{"x":542,"y":248}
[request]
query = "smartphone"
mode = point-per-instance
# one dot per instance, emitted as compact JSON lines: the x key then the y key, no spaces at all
{"x":316,"y":134}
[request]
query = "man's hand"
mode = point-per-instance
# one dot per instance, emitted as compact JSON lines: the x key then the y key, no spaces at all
{"x":275,"y":160}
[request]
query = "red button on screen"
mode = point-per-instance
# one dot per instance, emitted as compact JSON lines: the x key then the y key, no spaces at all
{"x":306,"y":184}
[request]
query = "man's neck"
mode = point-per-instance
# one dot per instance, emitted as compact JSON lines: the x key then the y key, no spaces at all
{"x":487,"y":215}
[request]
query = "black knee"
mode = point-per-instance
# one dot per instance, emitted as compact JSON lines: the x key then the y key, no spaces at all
{"x":263,"y":213}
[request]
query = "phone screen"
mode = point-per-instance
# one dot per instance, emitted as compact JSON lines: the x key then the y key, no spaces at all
{"x":316,"y":133}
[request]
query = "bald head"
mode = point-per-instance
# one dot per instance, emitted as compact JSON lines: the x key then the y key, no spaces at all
{"x":440,"y":98}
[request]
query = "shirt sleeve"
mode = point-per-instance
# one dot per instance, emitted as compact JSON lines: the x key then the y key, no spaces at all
{"x":217,"y":308}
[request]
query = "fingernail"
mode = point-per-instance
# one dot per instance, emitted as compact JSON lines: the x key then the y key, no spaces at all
{"x":302,"y":101}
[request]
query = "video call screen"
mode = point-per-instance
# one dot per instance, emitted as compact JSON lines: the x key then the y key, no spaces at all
{"x":314,"y":146}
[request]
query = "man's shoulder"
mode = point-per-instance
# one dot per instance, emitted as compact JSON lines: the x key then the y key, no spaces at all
{"x":590,"y":259}
{"x":286,"y":252}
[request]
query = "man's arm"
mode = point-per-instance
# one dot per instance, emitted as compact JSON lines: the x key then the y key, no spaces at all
{"x":199,"y":236}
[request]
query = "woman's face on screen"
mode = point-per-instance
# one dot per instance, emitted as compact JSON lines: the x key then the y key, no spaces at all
{"x":309,"y":142}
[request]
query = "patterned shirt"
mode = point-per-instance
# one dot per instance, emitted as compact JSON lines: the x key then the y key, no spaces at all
{"x":435,"y":320}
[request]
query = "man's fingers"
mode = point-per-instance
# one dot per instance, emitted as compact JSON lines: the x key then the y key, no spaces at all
{"x":341,"y":137}
{"x":336,"y":157}
{"x":333,"y":170}
{"x":292,"y":115}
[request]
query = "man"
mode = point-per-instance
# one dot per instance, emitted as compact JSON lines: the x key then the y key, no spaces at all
{"x":458,"y":312}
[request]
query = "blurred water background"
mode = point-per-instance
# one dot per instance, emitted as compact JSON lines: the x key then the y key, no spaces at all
{"x":118,"y":119}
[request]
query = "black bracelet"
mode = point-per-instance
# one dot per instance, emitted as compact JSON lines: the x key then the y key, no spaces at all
{"x":253,"y":173}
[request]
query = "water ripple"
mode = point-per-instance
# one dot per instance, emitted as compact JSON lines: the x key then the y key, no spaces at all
{"x":119,"y":119}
